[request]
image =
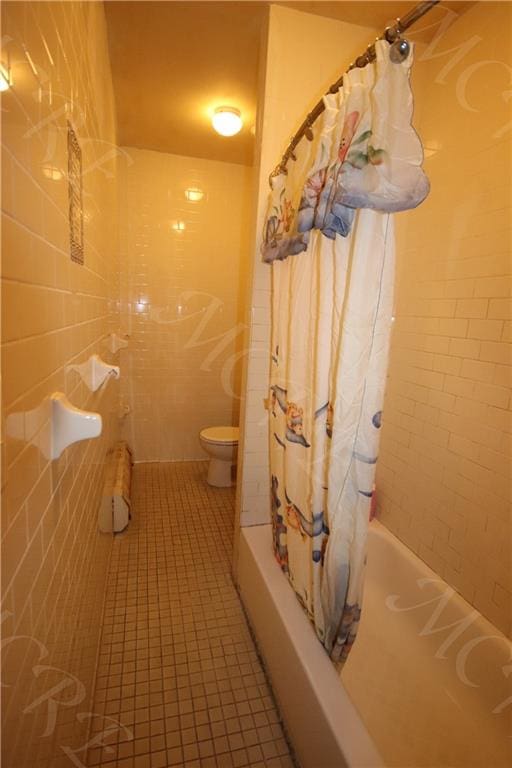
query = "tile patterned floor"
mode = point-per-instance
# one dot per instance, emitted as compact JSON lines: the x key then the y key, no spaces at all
{"x":177,"y":663}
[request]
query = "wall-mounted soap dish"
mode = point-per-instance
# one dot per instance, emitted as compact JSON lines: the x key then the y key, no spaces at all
{"x":115,"y":342}
{"x":54,"y":425}
{"x":94,"y":371}
{"x":71,"y":424}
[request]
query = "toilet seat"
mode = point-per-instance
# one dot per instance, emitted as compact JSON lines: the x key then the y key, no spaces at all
{"x":220,"y":435}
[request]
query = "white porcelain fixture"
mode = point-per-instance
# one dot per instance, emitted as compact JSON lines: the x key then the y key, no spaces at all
{"x":53,"y":425}
{"x":71,"y":424}
{"x":304,"y":680}
{"x":94,"y":371}
{"x":221,"y":444}
{"x":424,"y":663}
{"x":115,"y":342}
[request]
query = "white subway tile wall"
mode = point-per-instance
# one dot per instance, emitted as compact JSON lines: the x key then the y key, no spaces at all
{"x":443,"y":480}
{"x":183,"y":275}
{"x":54,"y":313}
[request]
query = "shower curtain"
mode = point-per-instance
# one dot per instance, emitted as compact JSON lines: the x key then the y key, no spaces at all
{"x":329,"y":238}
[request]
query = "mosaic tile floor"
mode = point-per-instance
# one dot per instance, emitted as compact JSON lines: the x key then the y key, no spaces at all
{"x":177,"y":663}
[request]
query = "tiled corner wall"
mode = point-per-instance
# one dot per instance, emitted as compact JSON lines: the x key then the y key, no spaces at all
{"x":282,"y":106}
{"x":443,"y":480}
{"x":183,"y":286}
{"x":54,"y":313}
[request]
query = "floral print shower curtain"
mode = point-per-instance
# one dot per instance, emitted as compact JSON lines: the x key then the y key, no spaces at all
{"x":329,"y":237}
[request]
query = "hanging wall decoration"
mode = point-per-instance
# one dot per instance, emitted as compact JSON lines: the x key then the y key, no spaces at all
{"x":76,"y":216}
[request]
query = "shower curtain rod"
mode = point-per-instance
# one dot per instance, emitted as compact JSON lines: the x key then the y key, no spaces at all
{"x":390,"y":34}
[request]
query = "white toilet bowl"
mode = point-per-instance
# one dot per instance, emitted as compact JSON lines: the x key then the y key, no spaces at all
{"x":221,"y":444}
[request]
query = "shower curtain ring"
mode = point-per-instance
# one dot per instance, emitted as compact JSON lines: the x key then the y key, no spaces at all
{"x":399,"y":50}
{"x":391,"y":34}
{"x":308,"y":133}
{"x":273,"y":174}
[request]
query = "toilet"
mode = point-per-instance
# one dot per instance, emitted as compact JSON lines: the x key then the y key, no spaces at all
{"x":221,"y":444}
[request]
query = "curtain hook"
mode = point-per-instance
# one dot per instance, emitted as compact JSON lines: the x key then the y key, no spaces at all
{"x":399,"y":50}
{"x":390,"y":34}
{"x":308,"y":133}
{"x":399,"y":47}
{"x":276,"y":172}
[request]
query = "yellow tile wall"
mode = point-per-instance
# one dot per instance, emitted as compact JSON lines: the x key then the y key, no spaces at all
{"x":443,"y":480}
{"x":183,"y":294}
{"x":54,"y":313}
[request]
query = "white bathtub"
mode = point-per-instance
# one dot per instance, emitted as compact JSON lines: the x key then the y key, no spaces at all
{"x":425,"y":684}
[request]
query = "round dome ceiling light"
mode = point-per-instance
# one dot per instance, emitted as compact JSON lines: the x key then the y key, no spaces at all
{"x":227,"y":121}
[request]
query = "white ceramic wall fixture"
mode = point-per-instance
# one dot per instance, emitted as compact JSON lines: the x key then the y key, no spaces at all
{"x":115,"y":342}
{"x":54,"y":425}
{"x":94,"y":371}
{"x":71,"y":424}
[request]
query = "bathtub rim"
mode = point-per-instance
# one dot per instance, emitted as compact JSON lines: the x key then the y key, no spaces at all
{"x":340,"y":730}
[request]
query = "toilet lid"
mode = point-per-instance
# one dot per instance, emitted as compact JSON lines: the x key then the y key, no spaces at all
{"x":226,"y":435}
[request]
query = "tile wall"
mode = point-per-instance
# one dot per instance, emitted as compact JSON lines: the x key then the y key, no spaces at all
{"x":183,"y":287}
{"x":54,"y":313}
{"x":443,"y":480}
{"x":283,"y":105}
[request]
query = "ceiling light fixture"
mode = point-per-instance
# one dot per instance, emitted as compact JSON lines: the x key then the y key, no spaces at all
{"x":227,"y":121}
{"x":178,"y":226}
{"x":194,"y":195}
